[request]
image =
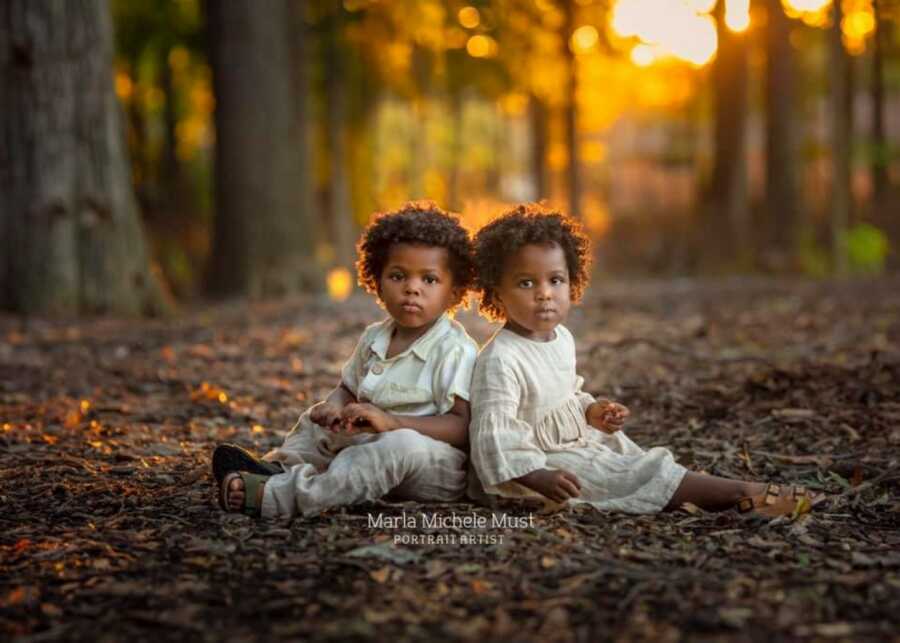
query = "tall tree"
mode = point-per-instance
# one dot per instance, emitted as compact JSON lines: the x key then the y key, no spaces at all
{"x":840,"y":138}
{"x":728,"y":188}
{"x":343,"y":231}
{"x":262,"y":244}
{"x":537,"y":114}
{"x":300,"y":78}
{"x":782,"y":197}
{"x":69,"y":225}
{"x":879,"y":162}
{"x":571,"y":111}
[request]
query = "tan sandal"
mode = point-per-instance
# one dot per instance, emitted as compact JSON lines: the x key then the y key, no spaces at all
{"x":779,"y":501}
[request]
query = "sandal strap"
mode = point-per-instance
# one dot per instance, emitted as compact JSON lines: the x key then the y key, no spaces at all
{"x":252,"y":483}
{"x":771,"y":495}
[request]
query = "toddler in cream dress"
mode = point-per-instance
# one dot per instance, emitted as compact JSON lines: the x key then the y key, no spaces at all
{"x":534,"y":431}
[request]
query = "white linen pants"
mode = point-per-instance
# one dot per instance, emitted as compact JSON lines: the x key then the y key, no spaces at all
{"x":327,"y":469}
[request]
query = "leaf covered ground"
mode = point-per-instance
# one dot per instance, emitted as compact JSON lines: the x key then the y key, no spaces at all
{"x":109,"y":528}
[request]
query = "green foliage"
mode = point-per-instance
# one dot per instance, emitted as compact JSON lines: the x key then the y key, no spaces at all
{"x":867,"y":248}
{"x":813,"y":258}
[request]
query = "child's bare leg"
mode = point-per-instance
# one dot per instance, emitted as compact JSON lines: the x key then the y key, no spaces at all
{"x":712,"y":492}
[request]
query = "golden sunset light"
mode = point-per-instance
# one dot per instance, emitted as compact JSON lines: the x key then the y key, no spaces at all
{"x":358,"y":319}
{"x":737,"y":15}
{"x":674,"y":28}
{"x":340,"y":284}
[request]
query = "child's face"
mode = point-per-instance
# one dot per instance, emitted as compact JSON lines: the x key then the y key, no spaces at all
{"x":534,"y":290}
{"x":416,"y":284}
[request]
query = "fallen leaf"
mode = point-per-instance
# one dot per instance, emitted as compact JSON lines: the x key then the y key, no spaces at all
{"x":380,"y":575}
{"x":385,"y":551}
{"x":377,"y":617}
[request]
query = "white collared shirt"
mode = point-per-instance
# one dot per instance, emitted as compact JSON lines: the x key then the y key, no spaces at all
{"x":425,"y":379}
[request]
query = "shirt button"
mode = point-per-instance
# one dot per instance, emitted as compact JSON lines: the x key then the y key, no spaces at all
{"x":377,"y":369}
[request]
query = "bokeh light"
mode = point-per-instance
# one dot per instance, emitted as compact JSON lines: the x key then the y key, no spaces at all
{"x":340,"y":284}
{"x":584,"y":39}
{"x":482,"y":46}
{"x":469,"y":17}
{"x":643,"y":55}
{"x":737,"y":15}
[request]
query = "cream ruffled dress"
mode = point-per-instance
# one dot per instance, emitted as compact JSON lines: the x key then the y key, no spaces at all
{"x":528,"y":413}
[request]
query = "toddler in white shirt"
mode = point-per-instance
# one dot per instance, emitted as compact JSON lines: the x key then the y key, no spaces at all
{"x":396,"y":424}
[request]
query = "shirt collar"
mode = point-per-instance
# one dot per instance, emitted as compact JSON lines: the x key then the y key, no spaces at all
{"x":420,"y":348}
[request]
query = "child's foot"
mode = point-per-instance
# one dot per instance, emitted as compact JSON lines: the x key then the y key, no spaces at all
{"x":242,"y":492}
{"x":774,"y":500}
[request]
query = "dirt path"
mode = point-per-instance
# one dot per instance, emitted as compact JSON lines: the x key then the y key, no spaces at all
{"x":109,"y":528}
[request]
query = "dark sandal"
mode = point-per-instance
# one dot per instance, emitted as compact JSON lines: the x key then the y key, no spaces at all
{"x":252,"y":502}
{"x":230,"y":457}
{"x":774,"y":502}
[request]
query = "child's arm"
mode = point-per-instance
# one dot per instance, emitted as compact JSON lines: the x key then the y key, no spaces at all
{"x":451,"y":427}
{"x":327,"y":413}
{"x":606,"y":416}
{"x":557,"y":484}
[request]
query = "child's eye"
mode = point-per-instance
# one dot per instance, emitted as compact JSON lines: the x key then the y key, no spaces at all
{"x":526,"y":283}
{"x":395,"y":276}
{"x":557,"y":280}
{"x":430,"y":279}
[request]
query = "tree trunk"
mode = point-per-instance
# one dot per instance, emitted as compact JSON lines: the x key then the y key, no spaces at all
{"x":300,"y":42}
{"x":571,"y":114}
{"x":840,"y":141}
{"x":169,"y":174}
{"x":454,"y":200}
{"x":342,"y":233}
{"x":728,"y":190}
{"x":69,"y":224}
{"x":782,"y":197}
{"x":262,"y":241}
{"x":879,"y":140}
{"x":538,"y":116}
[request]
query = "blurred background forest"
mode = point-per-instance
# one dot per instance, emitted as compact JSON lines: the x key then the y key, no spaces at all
{"x":690,"y":136}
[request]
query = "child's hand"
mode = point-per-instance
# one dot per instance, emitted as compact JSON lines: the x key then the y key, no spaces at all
{"x":326,"y":414}
{"x":367,"y":417}
{"x":606,"y":416}
{"x":558,"y":485}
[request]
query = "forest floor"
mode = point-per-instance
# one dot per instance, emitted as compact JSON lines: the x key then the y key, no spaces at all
{"x":110,"y":530}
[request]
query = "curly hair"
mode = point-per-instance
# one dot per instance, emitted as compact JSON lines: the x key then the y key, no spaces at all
{"x":526,"y":224}
{"x":416,"y":222}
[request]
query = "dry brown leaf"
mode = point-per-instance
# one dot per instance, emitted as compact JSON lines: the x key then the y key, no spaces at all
{"x":381,"y":575}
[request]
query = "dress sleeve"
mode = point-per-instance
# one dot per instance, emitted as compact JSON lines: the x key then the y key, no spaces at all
{"x":352,"y":372}
{"x":503,"y":447}
{"x":584,"y":397}
{"x":453,"y":376}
